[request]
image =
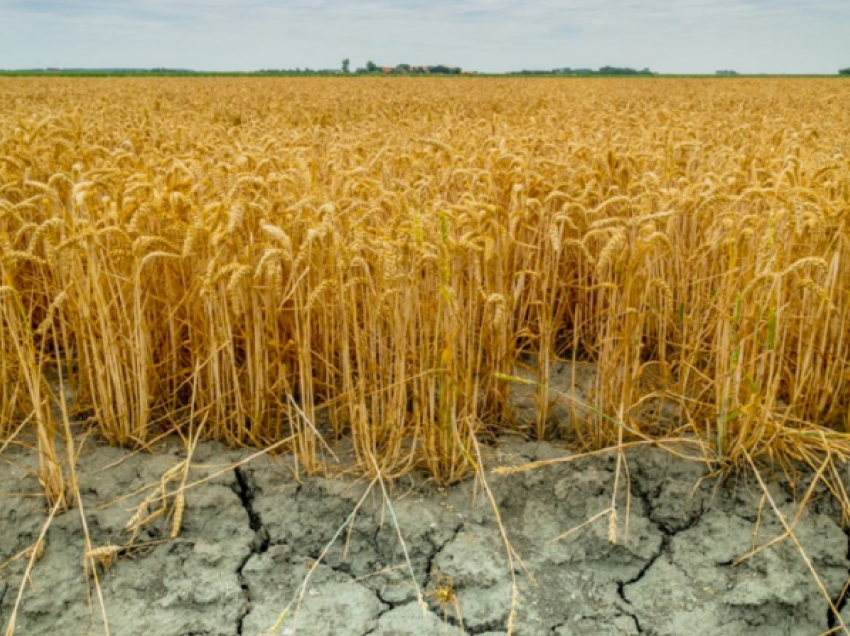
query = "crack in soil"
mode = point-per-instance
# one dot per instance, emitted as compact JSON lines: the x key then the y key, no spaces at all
{"x":636,"y":622}
{"x":667,"y":534}
{"x":840,"y":601}
{"x":260,"y":544}
{"x":437,"y":550}
{"x":492,"y":626}
{"x":245,"y":492}
{"x":622,"y":585}
{"x":390,"y":607}
{"x":455,"y":621}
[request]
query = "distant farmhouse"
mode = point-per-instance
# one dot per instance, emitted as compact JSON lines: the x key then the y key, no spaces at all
{"x":726,"y":73}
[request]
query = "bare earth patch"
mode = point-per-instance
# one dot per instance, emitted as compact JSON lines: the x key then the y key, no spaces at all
{"x":252,"y":537}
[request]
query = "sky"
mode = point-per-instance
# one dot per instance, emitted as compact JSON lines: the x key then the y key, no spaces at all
{"x":667,"y":36}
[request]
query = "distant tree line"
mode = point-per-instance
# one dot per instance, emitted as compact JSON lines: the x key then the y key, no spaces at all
{"x":296,"y":71}
{"x":159,"y":70}
{"x":616,"y":70}
{"x":408,"y":69}
{"x":166,"y":71}
{"x":844,"y":71}
{"x":604,"y":70}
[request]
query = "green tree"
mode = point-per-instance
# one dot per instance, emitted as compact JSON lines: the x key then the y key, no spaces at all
{"x":844,"y":71}
{"x":371,"y":66}
{"x":345,"y":64}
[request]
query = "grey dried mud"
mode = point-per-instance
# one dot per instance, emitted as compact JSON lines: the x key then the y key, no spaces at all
{"x":254,"y":544}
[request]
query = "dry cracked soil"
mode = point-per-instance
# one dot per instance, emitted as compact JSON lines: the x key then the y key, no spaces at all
{"x":255,"y":541}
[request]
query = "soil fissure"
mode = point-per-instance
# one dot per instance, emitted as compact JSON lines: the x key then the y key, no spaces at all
{"x":840,"y":601}
{"x":245,"y":491}
{"x":429,"y":568}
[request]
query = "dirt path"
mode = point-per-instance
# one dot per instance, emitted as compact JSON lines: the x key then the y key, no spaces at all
{"x":252,"y":535}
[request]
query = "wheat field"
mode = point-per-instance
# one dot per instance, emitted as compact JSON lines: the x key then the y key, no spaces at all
{"x":291,"y":261}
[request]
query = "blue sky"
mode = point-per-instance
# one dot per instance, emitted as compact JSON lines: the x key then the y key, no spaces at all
{"x":668,"y":36}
